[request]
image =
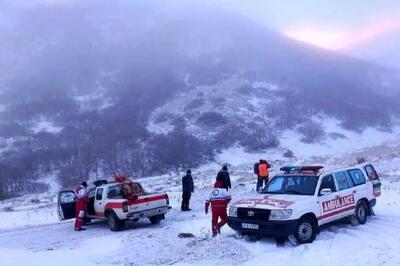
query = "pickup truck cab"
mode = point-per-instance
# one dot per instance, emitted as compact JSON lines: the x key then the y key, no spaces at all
{"x":300,"y":199}
{"x":108,"y":202}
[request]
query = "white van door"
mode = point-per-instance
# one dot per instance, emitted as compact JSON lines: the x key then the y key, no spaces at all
{"x":326,"y":201}
{"x":374,"y":179}
{"x":360,"y":189}
{"x":99,"y":202}
{"x":348,"y":195}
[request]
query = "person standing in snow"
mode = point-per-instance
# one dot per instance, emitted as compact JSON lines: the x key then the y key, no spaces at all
{"x":262,"y":173}
{"x":219,"y":199}
{"x":80,"y":206}
{"x":224,"y":178}
{"x":187,"y":190}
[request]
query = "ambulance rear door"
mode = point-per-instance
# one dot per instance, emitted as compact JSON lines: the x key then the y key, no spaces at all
{"x":374,"y":179}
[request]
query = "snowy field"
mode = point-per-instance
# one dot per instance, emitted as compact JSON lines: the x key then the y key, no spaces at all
{"x":49,"y":242}
{"x":30,"y":233}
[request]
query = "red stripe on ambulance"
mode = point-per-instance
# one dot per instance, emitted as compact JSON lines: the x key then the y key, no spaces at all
{"x":337,"y":203}
{"x":336,"y":212}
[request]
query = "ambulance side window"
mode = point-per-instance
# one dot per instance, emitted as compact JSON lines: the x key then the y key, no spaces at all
{"x":327,"y":182}
{"x":99,"y":194}
{"x":349,"y":179}
{"x":357,"y":176}
{"x":341,"y":180}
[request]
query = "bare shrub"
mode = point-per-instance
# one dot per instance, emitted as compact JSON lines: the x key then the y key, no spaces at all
{"x":194,"y":104}
{"x":336,"y":136}
{"x":361,"y":160}
{"x":260,"y":137}
{"x":8,"y":209}
{"x":212,"y":119}
{"x":312,"y":132}
{"x":163,"y":117}
{"x":288,"y":154}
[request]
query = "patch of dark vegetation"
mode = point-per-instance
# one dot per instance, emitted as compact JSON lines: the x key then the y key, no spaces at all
{"x":336,"y":136}
{"x":260,"y":137}
{"x":211,"y":119}
{"x":194,"y":104}
{"x":163,"y":117}
{"x":311,"y":132}
{"x":288,"y":154}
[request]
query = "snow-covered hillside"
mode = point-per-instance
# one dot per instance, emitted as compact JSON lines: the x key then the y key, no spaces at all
{"x":206,"y":107}
{"x":30,"y":233}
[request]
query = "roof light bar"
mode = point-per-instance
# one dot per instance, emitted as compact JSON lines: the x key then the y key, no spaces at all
{"x":290,"y":169}
{"x":299,"y":169}
{"x":313,"y":168}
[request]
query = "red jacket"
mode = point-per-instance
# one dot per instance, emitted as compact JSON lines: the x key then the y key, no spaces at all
{"x":82,"y":196}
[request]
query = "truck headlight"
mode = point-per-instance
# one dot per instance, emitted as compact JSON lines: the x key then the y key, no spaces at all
{"x":233,"y":211}
{"x":280,"y":214}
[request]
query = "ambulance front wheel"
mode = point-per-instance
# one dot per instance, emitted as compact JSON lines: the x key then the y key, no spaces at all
{"x":306,"y":230}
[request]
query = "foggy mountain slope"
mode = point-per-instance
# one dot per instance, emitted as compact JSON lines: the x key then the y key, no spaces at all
{"x":97,"y":82}
{"x":381,"y":49}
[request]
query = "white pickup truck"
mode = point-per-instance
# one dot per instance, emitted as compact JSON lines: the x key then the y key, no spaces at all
{"x":107,"y":201}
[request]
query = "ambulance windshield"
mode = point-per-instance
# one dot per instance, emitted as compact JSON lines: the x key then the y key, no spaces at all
{"x":293,"y":184}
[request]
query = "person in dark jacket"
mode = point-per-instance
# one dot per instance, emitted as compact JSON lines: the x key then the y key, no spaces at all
{"x":224,"y":178}
{"x":187,"y":190}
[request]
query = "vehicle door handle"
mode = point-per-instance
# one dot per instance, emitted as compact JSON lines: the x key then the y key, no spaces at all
{"x":99,"y":203}
{"x":354,"y":191}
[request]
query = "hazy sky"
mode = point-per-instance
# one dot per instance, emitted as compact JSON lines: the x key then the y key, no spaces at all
{"x":332,"y":24}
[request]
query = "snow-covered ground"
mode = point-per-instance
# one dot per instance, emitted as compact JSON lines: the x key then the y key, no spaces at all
{"x":49,"y":242}
{"x":30,"y":233}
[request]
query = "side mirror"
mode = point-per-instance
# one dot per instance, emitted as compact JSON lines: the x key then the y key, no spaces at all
{"x":325,"y":191}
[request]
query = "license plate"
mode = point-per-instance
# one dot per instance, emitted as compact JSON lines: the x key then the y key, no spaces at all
{"x":250,"y":226}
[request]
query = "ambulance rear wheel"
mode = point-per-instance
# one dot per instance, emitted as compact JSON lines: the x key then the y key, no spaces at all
{"x":113,"y":222}
{"x":306,"y":230}
{"x":361,"y":212}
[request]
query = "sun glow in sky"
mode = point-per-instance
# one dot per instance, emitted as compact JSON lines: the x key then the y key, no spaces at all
{"x":331,"y":24}
{"x":318,"y":37}
{"x":335,"y":40}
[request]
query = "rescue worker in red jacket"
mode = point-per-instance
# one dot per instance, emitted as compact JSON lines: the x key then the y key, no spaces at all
{"x":262,"y":172}
{"x":219,"y":199}
{"x":82,"y":196}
